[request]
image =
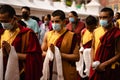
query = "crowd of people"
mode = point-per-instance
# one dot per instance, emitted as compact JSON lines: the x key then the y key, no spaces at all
{"x":59,"y":47}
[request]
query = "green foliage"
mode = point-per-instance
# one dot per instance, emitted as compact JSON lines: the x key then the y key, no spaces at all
{"x":68,"y":2}
{"x":78,"y":6}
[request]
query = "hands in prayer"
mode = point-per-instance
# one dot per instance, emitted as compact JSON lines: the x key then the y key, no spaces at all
{"x":6,"y":48}
{"x":52,"y":48}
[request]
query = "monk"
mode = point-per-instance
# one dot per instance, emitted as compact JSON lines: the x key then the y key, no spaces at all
{"x":66,"y":42}
{"x":75,"y":25}
{"x":106,"y":49}
{"x":25,"y":43}
{"x":86,"y":43}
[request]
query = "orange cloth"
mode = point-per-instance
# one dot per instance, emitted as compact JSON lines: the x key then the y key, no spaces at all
{"x":69,"y":71}
{"x":98,"y":33}
{"x":87,"y":36}
{"x":8,"y":36}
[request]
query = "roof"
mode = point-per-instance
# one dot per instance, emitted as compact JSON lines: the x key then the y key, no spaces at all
{"x":47,"y":6}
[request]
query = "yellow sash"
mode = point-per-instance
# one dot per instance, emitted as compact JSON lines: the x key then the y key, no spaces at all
{"x":99,"y":32}
{"x":8,"y":36}
{"x":65,"y":48}
{"x":52,"y":36}
{"x":67,"y":40}
{"x":87,"y":36}
{"x":118,"y":22}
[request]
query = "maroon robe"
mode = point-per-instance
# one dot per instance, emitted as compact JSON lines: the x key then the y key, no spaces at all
{"x":50,"y":26}
{"x":33,"y":62}
{"x":80,"y":25}
{"x":86,"y":45}
{"x":104,"y":53}
{"x":89,"y":43}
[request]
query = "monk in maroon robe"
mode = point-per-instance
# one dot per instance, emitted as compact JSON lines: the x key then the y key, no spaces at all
{"x":66,"y":41}
{"x":104,"y":53}
{"x":75,"y":25}
{"x":106,"y":49}
{"x":25,"y":42}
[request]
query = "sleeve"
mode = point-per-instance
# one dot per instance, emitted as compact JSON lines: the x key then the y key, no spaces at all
{"x":36,"y":26}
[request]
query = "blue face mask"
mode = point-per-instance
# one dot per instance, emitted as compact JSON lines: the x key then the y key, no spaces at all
{"x":71,"y":19}
{"x":104,"y":23}
{"x":56,"y":26}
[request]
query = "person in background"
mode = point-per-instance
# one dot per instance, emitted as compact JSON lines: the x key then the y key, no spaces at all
{"x":117,"y":20}
{"x":66,"y":20}
{"x":105,"y":51}
{"x":42,"y":18}
{"x":67,"y":43}
{"x":18,"y":18}
{"x":75,"y":25}
{"x":37,"y":19}
{"x":47,"y":21}
{"x":46,"y":26}
{"x":31,"y":23}
{"x":25,"y":42}
{"x":22,"y":23}
{"x":85,"y":45}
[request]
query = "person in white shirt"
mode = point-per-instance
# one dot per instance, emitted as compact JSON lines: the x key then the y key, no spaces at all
{"x":31,"y":23}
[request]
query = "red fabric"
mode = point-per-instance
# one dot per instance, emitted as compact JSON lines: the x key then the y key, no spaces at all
{"x":59,"y":40}
{"x":89,"y":43}
{"x":105,"y":52}
{"x":78,"y":29}
{"x":33,"y":63}
{"x":1,"y":30}
{"x":83,"y":31}
{"x":50,"y":26}
{"x":74,"y":41}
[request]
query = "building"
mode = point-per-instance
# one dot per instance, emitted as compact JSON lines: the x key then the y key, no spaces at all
{"x":114,"y":4}
{"x":43,"y":7}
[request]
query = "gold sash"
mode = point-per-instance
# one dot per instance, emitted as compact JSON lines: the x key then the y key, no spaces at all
{"x":68,"y":69}
{"x":87,"y":36}
{"x":8,"y":36}
{"x":118,"y":21}
{"x":99,"y":32}
{"x":67,"y":40}
{"x":53,"y":37}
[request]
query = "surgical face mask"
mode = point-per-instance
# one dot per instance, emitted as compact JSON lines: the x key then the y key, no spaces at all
{"x":46,"y":22}
{"x":7,"y":26}
{"x":104,"y":23}
{"x":71,"y":19}
{"x":56,"y":26}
